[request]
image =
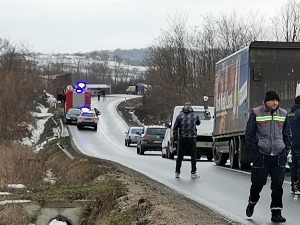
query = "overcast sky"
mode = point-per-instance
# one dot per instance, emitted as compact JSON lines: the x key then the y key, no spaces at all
{"x":69,"y":26}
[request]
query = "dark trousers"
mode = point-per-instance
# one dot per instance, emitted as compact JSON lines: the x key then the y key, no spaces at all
{"x":295,"y":168}
{"x":186,"y":145}
{"x":263,"y":166}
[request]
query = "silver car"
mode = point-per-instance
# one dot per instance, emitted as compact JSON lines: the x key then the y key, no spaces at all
{"x":132,"y":134}
{"x":88,"y":118}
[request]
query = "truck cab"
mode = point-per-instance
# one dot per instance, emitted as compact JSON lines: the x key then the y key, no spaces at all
{"x":204,"y":133}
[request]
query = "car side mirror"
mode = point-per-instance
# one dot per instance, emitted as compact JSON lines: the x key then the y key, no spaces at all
{"x":207,"y":114}
{"x":126,"y":132}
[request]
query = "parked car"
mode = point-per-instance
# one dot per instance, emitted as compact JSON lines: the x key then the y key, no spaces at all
{"x":72,"y":115}
{"x":150,"y":139}
{"x":130,"y":90}
{"x":132,"y":134}
{"x":87,"y":118}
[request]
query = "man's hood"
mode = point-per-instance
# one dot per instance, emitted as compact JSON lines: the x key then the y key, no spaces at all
{"x":295,"y":107}
{"x":187,"y":109}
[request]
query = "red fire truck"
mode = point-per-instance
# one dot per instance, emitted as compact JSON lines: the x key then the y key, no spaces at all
{"x":78,"y":97}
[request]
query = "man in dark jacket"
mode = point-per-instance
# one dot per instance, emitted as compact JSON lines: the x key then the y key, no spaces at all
{"x":185,"y":129}
{"x":294,"y":119}
{"x":268,"y":136}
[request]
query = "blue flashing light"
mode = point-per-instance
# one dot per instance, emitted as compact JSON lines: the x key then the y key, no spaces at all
{"x":81,"y":84}
{"x":79,"y":90}
{"x":85,"y":109}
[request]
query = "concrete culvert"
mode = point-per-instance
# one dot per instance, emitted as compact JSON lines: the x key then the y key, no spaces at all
{"x":60,"y":221}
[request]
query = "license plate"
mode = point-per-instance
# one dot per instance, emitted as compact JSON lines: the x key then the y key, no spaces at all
{"x":157,"y":141}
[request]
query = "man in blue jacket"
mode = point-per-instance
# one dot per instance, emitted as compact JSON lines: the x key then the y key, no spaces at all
{"x":294,"y":119}
{"x":268,"y":136}
{"x":185,"y":130}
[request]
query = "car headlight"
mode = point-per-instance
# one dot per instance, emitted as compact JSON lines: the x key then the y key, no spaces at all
{"x":68,"y":117}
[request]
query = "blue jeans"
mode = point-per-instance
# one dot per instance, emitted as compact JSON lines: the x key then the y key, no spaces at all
{"x":263,"y":166}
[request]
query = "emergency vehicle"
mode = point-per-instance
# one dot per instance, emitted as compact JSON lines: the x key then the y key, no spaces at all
{"x":78,"y":97}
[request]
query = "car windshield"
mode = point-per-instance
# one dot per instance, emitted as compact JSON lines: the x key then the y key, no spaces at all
{"x":74,"y":112}
{"x":202,"y":116}
{"x":133,"y":131}
{"x":156,"y":131}
{"x":88,"y":114}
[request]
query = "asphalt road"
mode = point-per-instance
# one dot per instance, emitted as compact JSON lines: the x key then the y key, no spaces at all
{"x":219,"y":188}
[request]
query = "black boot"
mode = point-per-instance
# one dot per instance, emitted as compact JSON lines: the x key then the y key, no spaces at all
{"x":250,"y":209}
{"x":276,"y":216}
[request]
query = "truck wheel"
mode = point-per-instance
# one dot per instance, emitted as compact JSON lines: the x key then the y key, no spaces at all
{"x":209,"y":157}
{"x":220,"y":159}
{"x":171,"y":155}
{"x":244,"y":155}
{"x":198,"y":156}
{"x":233,"y":154}
{"x":162,"y":154}
{"x":142,"y":150}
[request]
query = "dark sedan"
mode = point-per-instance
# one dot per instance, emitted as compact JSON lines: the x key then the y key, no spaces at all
{"x":72,"y":115}
{"x":150,"y":139}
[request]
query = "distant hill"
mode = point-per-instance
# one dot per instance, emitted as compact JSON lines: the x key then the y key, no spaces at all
{"x":132,"y":54}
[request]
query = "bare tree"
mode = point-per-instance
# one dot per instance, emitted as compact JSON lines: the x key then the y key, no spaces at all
{"x":286,"y":24}
{"x":19,"y":89}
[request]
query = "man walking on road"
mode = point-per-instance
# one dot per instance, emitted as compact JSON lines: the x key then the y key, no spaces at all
{"x":185,"y":131}
{"x":294,"y":119}
{"x":268,"y":136}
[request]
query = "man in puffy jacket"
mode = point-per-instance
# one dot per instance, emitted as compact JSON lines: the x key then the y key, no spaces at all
{"x":268,"y":136}
{"x":294,"y":119}
{"x":185,"y":130}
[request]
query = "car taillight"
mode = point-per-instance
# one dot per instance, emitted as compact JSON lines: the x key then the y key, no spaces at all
{"x":79,"y":118}
{"x":146,"y":138}
{"x":96,"y":119}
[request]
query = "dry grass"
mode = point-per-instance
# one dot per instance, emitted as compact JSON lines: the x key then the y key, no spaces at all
{"x":19,"y":164}
{"x":13,"y":215}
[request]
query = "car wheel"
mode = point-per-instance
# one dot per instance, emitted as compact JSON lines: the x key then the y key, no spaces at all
{"x":137,"y":150}
{"x":142,"y":150}
{"x":79,"y":127}
{"x":95,"y":128}
{"x":125,"y":143}
{"x":128,"y":144}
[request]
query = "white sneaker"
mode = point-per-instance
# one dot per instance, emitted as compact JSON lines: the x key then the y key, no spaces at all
{"x":194,"y":176}
{"x":177,"y":175}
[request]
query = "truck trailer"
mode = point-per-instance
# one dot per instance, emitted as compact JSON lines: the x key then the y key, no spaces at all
{"x":241,"y":81}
